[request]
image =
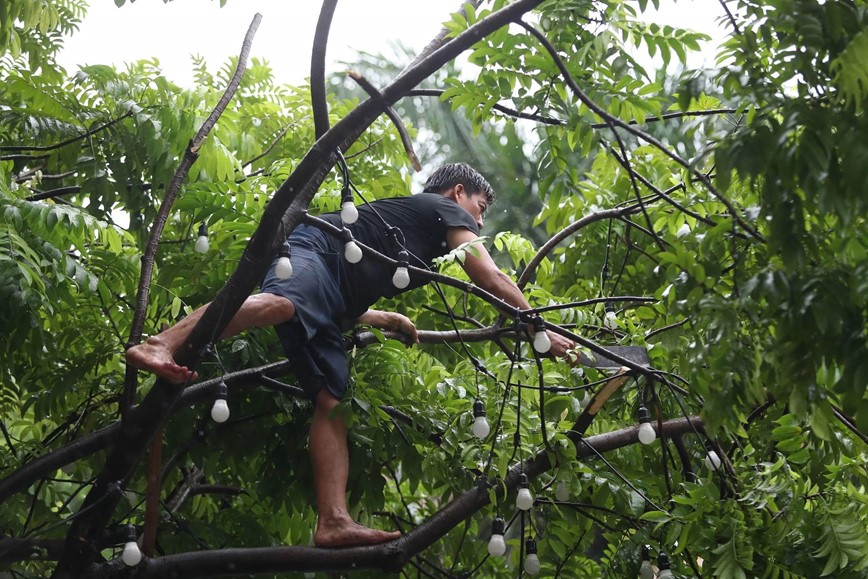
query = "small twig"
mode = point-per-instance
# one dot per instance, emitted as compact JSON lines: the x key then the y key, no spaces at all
{"x":43,"y":148}
{"x":268,"y":149}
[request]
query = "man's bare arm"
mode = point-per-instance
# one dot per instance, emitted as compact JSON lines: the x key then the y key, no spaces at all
{"x":485,"y":273}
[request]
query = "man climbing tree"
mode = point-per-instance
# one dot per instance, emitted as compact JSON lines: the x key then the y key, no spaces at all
{"x":328,"y":294}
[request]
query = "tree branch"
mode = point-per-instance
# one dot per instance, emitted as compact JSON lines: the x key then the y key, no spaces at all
{"x":37,"y":148}
{"x":636,"y":132}
{"x":388,"y":557}
{"x":319,"y":102}
{"x":393,"y":116}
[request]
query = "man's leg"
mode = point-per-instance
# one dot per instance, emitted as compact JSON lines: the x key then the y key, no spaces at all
{"x":156,"y":353}
{"x":330,"y":457}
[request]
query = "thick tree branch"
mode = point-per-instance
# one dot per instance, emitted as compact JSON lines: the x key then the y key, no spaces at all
{"x":319,"y":102}
{"x":389,"y":557}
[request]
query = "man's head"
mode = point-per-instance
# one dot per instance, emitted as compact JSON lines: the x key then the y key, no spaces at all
{"x":465,"y":185}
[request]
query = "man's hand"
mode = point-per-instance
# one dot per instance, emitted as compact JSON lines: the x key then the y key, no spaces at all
{"x":561,"y":346}
{"x":391,"y":321}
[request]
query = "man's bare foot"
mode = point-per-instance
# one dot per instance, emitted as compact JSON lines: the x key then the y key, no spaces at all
{"x":348,"y":533}
{"x":153,"y":356}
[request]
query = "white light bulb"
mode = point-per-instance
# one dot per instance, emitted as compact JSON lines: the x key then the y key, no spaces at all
{"x":349,"y":213}
{"x":712,"y":461}
{"x":611,"y":320}
{"x":352,"y":252}
{"x":401,"y":279}
{"x":202,"y":244}
{"x":496,"y":546}
{"x":646,"y":433}
{"x":665,"y":574}
{"x":283,"y":269}
{"x":562,"y":491}
{"x":220,"y":410}
{"x":524,"y":500}
{"x":682,"y":231}
{"x":646,"y":571}
{"x":541,"y":342}
{"x":132,"y":555}
{"x":480,"y":428}
{"x":531,"y":564}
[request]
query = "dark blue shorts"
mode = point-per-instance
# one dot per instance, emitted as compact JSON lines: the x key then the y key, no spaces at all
{"x":312,"y":340}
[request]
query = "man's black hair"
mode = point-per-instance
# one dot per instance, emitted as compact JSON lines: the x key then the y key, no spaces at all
{"x":448,"y":176}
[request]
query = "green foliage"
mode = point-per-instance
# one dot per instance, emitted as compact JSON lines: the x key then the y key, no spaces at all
{"x":764,"y":336}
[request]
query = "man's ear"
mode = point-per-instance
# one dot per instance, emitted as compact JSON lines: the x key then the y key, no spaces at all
{"x":456,"y":191}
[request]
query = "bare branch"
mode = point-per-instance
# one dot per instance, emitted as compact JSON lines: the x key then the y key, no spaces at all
{"x":393,"y":116}
{"x":318,"y":99}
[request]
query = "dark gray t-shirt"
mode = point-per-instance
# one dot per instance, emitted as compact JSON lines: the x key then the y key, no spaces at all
{"x":424,"y":220}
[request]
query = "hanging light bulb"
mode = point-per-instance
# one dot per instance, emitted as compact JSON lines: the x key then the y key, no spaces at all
{"x":541,"y":341}
{"x":523,"y":500}
{"x":202,"y":241}
{"x":132,"y":555}
{"x":562,"y":491}
{"x":480,"y":426}
{"x":496,"y":545}
{"x":220,"y":410}
{"x":352,"y":251}
{"x":611,"y":319}
{"x":646,"y":431}
{"x":683,"y":231}
{"x":349,"y":213}
{"x":646,"y":571}
{"x":401,"y":279}
{"x":283,"y":269}
{"x":531,"y":560}
{"x":663,"y":566}
{"x":712,"y":460}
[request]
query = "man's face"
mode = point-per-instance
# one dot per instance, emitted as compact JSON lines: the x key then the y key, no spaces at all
{"x":474,"y":204}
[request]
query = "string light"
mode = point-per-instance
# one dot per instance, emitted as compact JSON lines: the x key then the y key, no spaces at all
{"x":646,"y":571}
{"x":349,"y":213}
{"x":496,"y":545}
{"x":132,"y":555}
{"x":523,"y":500}
{"x":531,"y":560}
{"x":712,"y":460}
{"x":220,"y":410}
{"x":663,"y":566}
{"x":541,"y":341}
{"x":480,"y":428}
{"x":646,"y":431}
{"x":401,"y":279}
{"x":202,"y":244}
{"x":562,"y":491}
{"x":283,"y":269}
{"x":352,"y":251}
{"x":611,"y":319}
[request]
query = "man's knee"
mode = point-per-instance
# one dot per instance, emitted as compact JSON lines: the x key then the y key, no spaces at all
{"x":273,"y":309}
{"x":326,"y":402}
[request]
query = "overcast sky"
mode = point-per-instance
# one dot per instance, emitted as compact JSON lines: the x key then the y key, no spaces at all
{"x":174,"y":31}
